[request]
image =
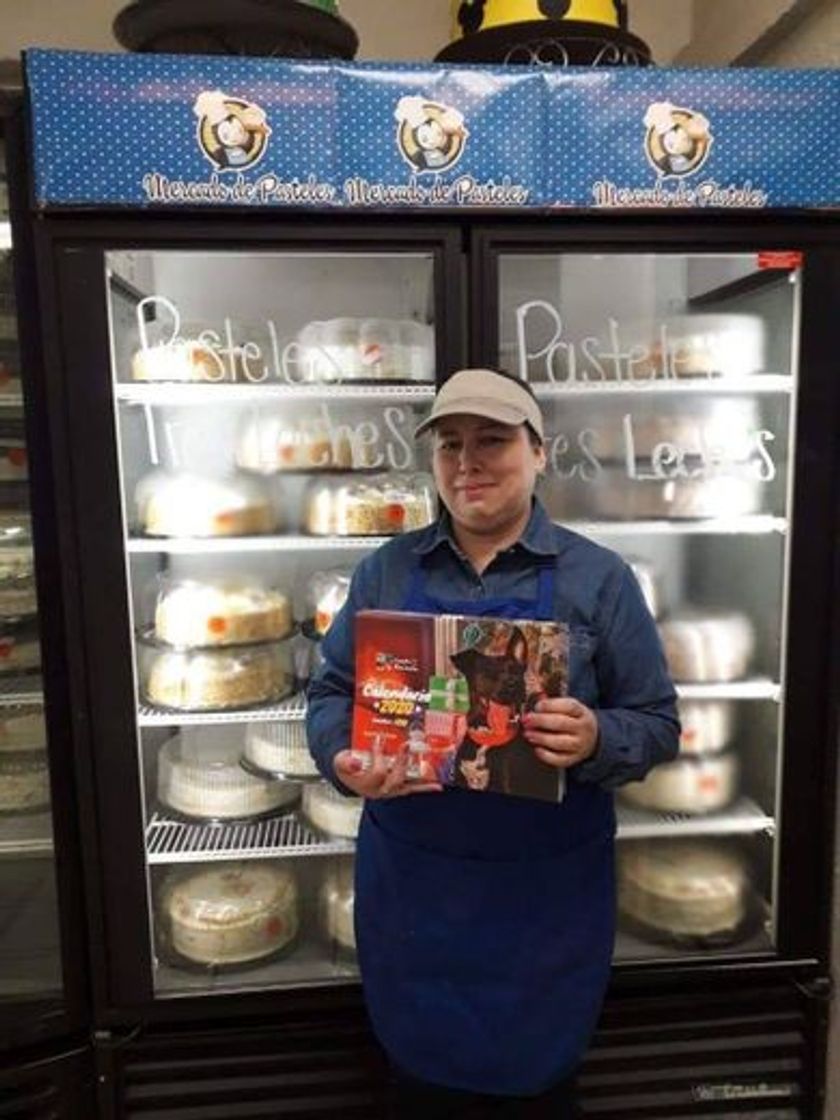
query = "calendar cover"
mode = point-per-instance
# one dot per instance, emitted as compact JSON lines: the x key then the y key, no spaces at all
{"x":449,"y":693}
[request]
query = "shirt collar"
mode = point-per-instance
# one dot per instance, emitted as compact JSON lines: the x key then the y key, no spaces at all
{"x":538,"y":538}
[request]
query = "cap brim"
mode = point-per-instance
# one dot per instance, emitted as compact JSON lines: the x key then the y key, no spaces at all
{"x":489,"y":410}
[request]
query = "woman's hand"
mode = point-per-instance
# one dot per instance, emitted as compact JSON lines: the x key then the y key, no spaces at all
{"x":563,"y":731}
{"x":383,"y":778}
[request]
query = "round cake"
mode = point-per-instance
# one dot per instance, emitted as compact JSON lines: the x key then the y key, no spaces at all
{"x":206,"y":782}
{"x":381,"y":506}
{"x":707,"y":646}
{"x":24,"y":782}
{"x":223,"y":612}
{"x":685,"y":890}
{"x":707,"y":726}
{"x":717,"y":428}
{"x":615,"y":495}
{"x":280,"y":749}
{"x":211,"y":680}
{"x":14,"y":466}
{"x":328,"y":593}
{"x":17,"y":562}
{"x":23,"y":728}
{"x":232,"y":913}
{"x":269,"y":443}
{"x":693,"y":785}
{"x":180,"y":504}
{"x":185,"y":360}
{"x":20,"y":650}
{"x":337,"y":896}
{"x":366,"y":349}
{"x":331,"y":812}
{"x":720,"y":345}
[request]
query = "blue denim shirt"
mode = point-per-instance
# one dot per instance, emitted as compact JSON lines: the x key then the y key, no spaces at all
{"x":616,"y":662}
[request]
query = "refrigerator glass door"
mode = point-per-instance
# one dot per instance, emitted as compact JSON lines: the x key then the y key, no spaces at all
{"x":30,"y":961}
{"x":264,"y":409}
{"x":669,"y":387}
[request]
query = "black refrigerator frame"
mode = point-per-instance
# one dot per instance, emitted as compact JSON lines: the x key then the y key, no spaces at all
{"x":60,"y":1021}
{"x":70,"y":246}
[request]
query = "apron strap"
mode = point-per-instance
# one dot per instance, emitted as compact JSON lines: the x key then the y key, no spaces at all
{"x":546,"y":586}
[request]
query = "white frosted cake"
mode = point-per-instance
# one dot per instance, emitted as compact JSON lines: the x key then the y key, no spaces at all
{"x":14,"y":465}
{"x":185,"y":360}
{"x":24,"y":782}
{"x":20,"y":650}
{"x":180,"y":504}
{"x":728,"y":344}
{"x":216,"y":679}
{"x":615,"y":495}
{"x":220,"y":613}
{"x":378,"y":506}
{"x":337,"y":898}
{"x":707,"y":726}
{"x":685,"y":889}
{"x":207,"y":782}
{"x":23,"y":728}
{"x":280,"y":749}
{"x":366,"y":349}
{"x":269,"y":443}
{"x":331,"y":812}
{"x":707,"y":646}
{"x":694,"y":785}
{"x":231,"y":914}
{"x":715,"y":428}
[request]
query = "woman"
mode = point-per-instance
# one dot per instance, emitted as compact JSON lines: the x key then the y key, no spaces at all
{"x":484,"y":922}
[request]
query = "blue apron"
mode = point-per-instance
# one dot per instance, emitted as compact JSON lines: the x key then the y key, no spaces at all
{"x":485,"y":923}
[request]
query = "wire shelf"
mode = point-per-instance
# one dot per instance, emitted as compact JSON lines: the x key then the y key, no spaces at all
{"x":201,"y":546}
{"x":759,"y":688}
{"x":290,"y":711}
{"x":699,"y":386}
{"x":743,"y":817}
{"x":19,"y":689}
{"x":27,"y":835}
{"x":174,"y":841}
{"x":228,"y":393}
{"x":759,"y":524}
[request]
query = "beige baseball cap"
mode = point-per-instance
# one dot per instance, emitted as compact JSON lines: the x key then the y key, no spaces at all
{"x":491,"y":393}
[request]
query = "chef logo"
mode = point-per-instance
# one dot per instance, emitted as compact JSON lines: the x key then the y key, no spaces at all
{"x":232,"y":133}
{"x":431,"y":137}
{"x":678,"y":141}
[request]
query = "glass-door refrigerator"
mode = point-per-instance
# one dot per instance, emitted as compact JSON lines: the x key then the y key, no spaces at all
{"x":43,"y":974}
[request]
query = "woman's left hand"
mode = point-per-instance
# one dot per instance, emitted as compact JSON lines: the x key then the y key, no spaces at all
{"x":563,"y":731}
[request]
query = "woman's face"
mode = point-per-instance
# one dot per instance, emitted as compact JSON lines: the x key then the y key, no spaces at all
{"x":485,"y":471}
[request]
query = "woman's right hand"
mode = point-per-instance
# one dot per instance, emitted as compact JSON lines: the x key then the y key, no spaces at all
{"x":384,"y":778}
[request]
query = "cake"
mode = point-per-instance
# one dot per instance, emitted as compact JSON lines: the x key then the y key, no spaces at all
{"x":366,"y":349}
{"x":337,"y":897}
{"x":221,"y":613}
{"x":180,"y":504}
{"x":215,"y":679}
{"x":24,"y":782}
{"x":707,"y":646}
{"x":381,"y":506}
{"x":20,"y":650}
{"x":719,"y":345}
{"x":232,"y":913}
{"x":14,"y":466}
{"x":717,"y":429}
{"x":10,"y":385}
{"x":17,"y":563}
{"x":182,"y":360}
{"x":269,"y":443}
{"x":205,"y":780}
{"x":328,"y":593}
{"x":331,"y":812}
{"x":279,"y":749}
{"x":693,"y":784}
{"x":18,"y":600}
{"x":22,"y":728}
{"x":615,"y":495}
{"x":685,"y":890}
{"x":707,"y":725}
{"x":481,"y":15}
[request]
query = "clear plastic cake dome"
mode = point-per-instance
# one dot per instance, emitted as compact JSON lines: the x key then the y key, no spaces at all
{"x":172,"y":503}
{"x":326,"y":595}
{"x":221,"y":610}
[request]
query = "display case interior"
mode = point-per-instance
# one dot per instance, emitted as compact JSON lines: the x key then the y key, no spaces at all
{"x":264,"y":409}
{"x":669,"y":387}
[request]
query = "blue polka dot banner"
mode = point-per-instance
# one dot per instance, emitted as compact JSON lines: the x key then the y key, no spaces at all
{"x":169,"y":131}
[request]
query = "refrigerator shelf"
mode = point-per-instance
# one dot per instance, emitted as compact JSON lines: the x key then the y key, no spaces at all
{"x":754,"y":384}
{"x":199,"y":393}
{"x":29,"y":835}
{"x":289,"y":711}
{"x":759,"y":688}
{"x":16,"y":690}
{"x":758,"y":524}
{"x":743,"y":817}
{"x":172,"y":841}
{"x":201,"y":546}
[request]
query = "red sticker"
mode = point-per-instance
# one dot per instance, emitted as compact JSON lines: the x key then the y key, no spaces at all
{"x":17,"y":456}
{"x":781,"y":258}
{"x":7,"y":645}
